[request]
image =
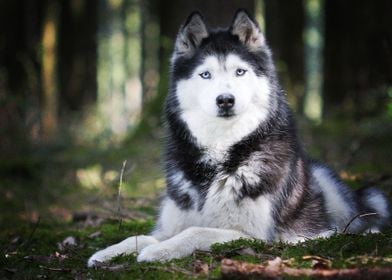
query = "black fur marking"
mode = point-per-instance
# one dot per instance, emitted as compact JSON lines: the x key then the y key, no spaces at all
{"x":183,"y":200}
{"x":183,"y":154}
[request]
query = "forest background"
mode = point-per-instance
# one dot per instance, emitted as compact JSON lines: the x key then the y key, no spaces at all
{"x":82,"y":84}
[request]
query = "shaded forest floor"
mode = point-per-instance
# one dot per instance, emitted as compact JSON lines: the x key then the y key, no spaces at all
{"x":60,"y":205}
{"x":60,"y":251}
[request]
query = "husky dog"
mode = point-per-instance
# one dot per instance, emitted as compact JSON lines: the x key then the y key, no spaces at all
{"x":234,"y":165}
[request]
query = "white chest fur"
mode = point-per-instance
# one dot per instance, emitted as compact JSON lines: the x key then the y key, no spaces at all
{"x":221,"y":210}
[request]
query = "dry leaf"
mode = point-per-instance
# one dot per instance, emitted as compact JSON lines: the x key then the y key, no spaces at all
{"x":70,"y":241}
{"x":95,"y":234}
{"x":200,"y":268}
{"x":318,"y":262}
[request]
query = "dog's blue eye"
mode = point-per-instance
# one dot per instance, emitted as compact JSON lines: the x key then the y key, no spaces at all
{"x":240,"y":72}
{"x":205,"y":75}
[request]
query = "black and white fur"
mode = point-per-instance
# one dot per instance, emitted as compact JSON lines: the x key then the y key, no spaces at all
{"x":234,"y":165}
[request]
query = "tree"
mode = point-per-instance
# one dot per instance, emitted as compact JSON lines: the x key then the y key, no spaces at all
{"x":357,"y":56}
{"x":77,"y":53}
{"x":20,"y":67}
{"x":284,"y":22}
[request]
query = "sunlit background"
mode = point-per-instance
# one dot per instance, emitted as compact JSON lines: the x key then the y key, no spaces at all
{"x":82,"y":84}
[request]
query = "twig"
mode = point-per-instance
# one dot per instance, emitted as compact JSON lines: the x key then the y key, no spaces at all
{"x":119,"y":193}
{"x":172,"y":269}
{"x":114,"y":215}
{"x":275,"y":270}
{"x":35,"y":226}
{"x":202,"y":252}
{"x":10,"y":270}
{"x":355,"y":217}
{"x":56,"y":269}
{"x":115,"y":268}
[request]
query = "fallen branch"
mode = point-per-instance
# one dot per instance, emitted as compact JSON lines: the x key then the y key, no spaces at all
{"x":55,"y":269}
{"x":276,"y":269}
{"x":172,"y":269}
{"x":10,"y":270}
{"x":114,"y":268}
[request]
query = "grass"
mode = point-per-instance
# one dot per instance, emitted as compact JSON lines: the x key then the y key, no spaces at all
{"x":33,"y":251}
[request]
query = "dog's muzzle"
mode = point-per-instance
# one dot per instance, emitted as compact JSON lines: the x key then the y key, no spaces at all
{"x":225,"y":103}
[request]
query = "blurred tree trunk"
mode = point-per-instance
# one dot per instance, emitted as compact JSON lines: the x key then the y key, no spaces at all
{"x":150,"y":48}
{"x":49,"y":71}
{"x":77,"y":54}
{"x":357,"y":56}
{"x":313,"y":40}
{"x":119,"y":66}
{"x":19,"y":73}
{"x":284,"y":23}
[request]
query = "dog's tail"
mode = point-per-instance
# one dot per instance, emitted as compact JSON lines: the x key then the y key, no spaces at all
{"x":375,"y":207}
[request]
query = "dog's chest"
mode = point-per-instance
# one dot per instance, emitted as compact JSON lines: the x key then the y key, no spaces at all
{"x":222,"y":209}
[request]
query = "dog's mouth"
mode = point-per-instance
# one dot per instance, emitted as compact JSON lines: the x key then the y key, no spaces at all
{"x":226,"y":114}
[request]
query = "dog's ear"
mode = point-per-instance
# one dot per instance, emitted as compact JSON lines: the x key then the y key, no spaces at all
{"x":247,"y":30}
{"x":191,"y":34}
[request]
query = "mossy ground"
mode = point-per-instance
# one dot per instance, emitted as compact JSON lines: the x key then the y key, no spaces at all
{"x":34,"y":252}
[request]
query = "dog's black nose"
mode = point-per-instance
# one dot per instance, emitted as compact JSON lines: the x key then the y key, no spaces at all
{"x":225,"y":101}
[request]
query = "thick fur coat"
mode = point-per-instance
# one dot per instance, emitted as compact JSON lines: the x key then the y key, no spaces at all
{"x":234,"y":165}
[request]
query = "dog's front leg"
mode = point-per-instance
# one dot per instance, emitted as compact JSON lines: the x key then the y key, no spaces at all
{"x":187,"y":241}
{"x":128,"y":246}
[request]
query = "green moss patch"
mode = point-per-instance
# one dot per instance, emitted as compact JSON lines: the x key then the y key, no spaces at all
{"x":36,"y":251}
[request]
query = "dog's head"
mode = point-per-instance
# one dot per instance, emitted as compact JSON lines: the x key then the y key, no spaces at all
{"x":223,"y":84}
{"x":222,"y":73}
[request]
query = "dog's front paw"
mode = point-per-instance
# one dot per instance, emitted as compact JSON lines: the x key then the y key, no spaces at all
{"x":97,"y":259}
{"x":103,"y":256}
{"x":159,"y":252}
